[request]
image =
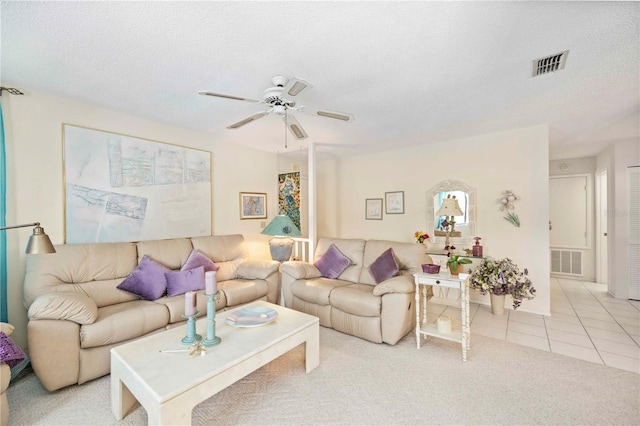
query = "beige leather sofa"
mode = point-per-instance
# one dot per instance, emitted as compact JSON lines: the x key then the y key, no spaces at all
{"x":76,"y":313}
{"x":353,"y":303}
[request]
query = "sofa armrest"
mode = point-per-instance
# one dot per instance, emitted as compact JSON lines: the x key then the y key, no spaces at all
{"x":257,"y":269}
{"x":300,"y":270}
{"x":74,"y":307}
{"x":398,"y":284}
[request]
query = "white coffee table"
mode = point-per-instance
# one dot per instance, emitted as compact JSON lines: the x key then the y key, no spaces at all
{"x":170,"y":385}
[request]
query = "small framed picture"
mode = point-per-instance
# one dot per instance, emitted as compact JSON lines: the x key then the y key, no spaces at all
{"x":373,"y":209}
{"x":394,"y":202}
{"x":253,"y":205}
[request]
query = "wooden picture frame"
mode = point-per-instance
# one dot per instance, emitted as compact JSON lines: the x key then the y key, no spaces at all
{"x":253,"y":205}
{"x":373,"y":209}
{"x":394,"y":202}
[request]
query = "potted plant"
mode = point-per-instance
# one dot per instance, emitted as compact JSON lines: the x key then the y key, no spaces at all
{"x":455,"y":262}
{"x":500,"y":277}
{"x":421,"y":237}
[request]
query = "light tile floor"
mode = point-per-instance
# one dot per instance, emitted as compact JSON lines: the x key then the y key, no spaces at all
{"x":585,"y":323}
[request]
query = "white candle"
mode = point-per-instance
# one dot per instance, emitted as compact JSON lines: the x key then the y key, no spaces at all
{"x":444,"y":324}
{"x":190,"y":303}
{"x":211,"y":282}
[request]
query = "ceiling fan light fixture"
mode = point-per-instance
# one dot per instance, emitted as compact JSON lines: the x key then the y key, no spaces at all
{"x":297,"y":131}
{"x":333,"y":115}
{"x":296,"y":88}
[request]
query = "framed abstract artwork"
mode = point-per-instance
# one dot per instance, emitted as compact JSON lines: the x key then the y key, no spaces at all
{"x":253,"y":205}
{"x":120,"y":188}
{"x":373,"y":209}
{"x":394,"y":202}
{"x":289,"y":196}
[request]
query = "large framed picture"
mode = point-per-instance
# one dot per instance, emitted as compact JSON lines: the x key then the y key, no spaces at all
{"x":394,"y":202}
{"x":253,"y":205}
{"x":126,"y":188}
{"x":373,"y":209}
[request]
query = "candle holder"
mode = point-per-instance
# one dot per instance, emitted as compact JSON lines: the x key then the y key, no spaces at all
{"x":191,"y":336}
{"x":211,"y":339}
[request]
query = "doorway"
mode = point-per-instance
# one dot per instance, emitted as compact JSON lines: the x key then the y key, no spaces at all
{"x":602,"y":258}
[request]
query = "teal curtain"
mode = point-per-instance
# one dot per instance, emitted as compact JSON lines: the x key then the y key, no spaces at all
{"x":4,"y":317}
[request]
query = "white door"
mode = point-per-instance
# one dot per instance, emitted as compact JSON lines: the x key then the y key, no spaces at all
{"x":568,"y":211}
{"x":601,"y":228}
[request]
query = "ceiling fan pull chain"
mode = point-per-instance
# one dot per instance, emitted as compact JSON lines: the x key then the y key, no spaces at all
{"x":286,"y":128}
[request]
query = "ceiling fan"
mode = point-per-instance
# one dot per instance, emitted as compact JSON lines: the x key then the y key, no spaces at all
{"x":280,"y":99}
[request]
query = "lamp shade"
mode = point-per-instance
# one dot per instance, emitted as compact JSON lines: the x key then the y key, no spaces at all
{"x":449,"y":207}
{"x":282,"y":226}
{"x":39,"y":242}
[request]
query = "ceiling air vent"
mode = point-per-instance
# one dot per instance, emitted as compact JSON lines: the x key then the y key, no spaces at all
{"x":550,"y":63}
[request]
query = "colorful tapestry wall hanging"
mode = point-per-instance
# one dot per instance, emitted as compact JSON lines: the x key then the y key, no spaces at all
{"x":289,"y":196}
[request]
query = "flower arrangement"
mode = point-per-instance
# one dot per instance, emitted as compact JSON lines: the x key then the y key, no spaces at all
{"x":501,"y":277}
{"x":421,"y":237}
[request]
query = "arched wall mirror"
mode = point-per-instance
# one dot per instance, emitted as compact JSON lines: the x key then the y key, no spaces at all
{"x":465,"y":224}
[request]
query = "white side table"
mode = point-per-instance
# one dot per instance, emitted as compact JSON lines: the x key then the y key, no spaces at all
{"x":463,"y":335}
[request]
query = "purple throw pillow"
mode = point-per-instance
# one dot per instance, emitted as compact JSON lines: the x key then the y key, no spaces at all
{"x":9,"y":352}
{"x":196,"y":258}
{"x":384,"y":267}
{"x":180,"y":282}
{"x":147,"y":280}
{"x":332,"y":263}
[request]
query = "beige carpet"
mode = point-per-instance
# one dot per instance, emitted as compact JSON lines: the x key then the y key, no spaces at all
{"x":362,"y":383}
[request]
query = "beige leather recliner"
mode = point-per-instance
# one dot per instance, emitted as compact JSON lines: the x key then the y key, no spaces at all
{"x":353,"y":303}
{"x":76,"y":313}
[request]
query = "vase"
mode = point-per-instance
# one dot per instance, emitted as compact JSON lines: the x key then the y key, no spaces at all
{"x":457,"y":271}
{"x":497,"y":304}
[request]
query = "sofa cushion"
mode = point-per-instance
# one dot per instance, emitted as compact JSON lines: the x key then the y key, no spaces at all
{"x":147,"y":280}
{"x":240,"y":291}
{"x":124,"y":321}
{"x":196,"y":259}
{"x":357,"y":299}
{"x":384,"y":267}
{"x":180,"y":282}
{"x":332,"y":263}
{"x":316,"y":290}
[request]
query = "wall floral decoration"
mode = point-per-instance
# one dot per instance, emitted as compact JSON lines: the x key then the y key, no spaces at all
{"x":506,"y":202}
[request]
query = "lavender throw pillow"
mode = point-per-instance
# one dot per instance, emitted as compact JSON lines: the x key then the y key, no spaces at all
{"x":196,"y":258}
{"x":384,"y":267}
{"x":147,"y":280}
{"x":332,"y":263}
{"x":9,"y":352}
{"x":180,"y":282}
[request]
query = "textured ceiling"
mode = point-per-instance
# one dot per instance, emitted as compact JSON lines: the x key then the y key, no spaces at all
{"x":410,"y":72}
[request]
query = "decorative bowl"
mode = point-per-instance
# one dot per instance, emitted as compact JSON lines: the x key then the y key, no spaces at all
{"x":430,"y":268}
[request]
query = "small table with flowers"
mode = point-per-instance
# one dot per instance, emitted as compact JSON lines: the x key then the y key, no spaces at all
{"x":460,"y":282}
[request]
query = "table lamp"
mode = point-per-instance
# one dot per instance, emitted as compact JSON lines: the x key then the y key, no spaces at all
{"x":281,"y":245}
{"x":450,"y":208}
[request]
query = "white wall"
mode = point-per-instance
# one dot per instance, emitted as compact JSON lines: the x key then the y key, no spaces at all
{"x":516,"y":160}
{"x":33,"y":126}
{"x":615,"y":160}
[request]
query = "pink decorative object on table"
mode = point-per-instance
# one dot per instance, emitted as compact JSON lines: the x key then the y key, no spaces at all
{"x":211,"y":282}
{"x":431,"y":268}
{"x":190,"y":303}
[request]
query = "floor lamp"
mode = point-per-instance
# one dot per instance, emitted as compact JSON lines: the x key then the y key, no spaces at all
{"x":281,"y":245}
{"x":39,"y":243}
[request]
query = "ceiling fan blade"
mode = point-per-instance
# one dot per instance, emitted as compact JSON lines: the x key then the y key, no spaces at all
{"x":235,"y":98}
{"x":295,"y":128}
{"x":294,"y":87}
{"x":343,"y":116}
{"x":248,"y":120}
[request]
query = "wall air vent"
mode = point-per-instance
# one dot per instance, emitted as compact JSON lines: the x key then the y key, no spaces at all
{"x":567,"y":262}
{"x":550,"y":63}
